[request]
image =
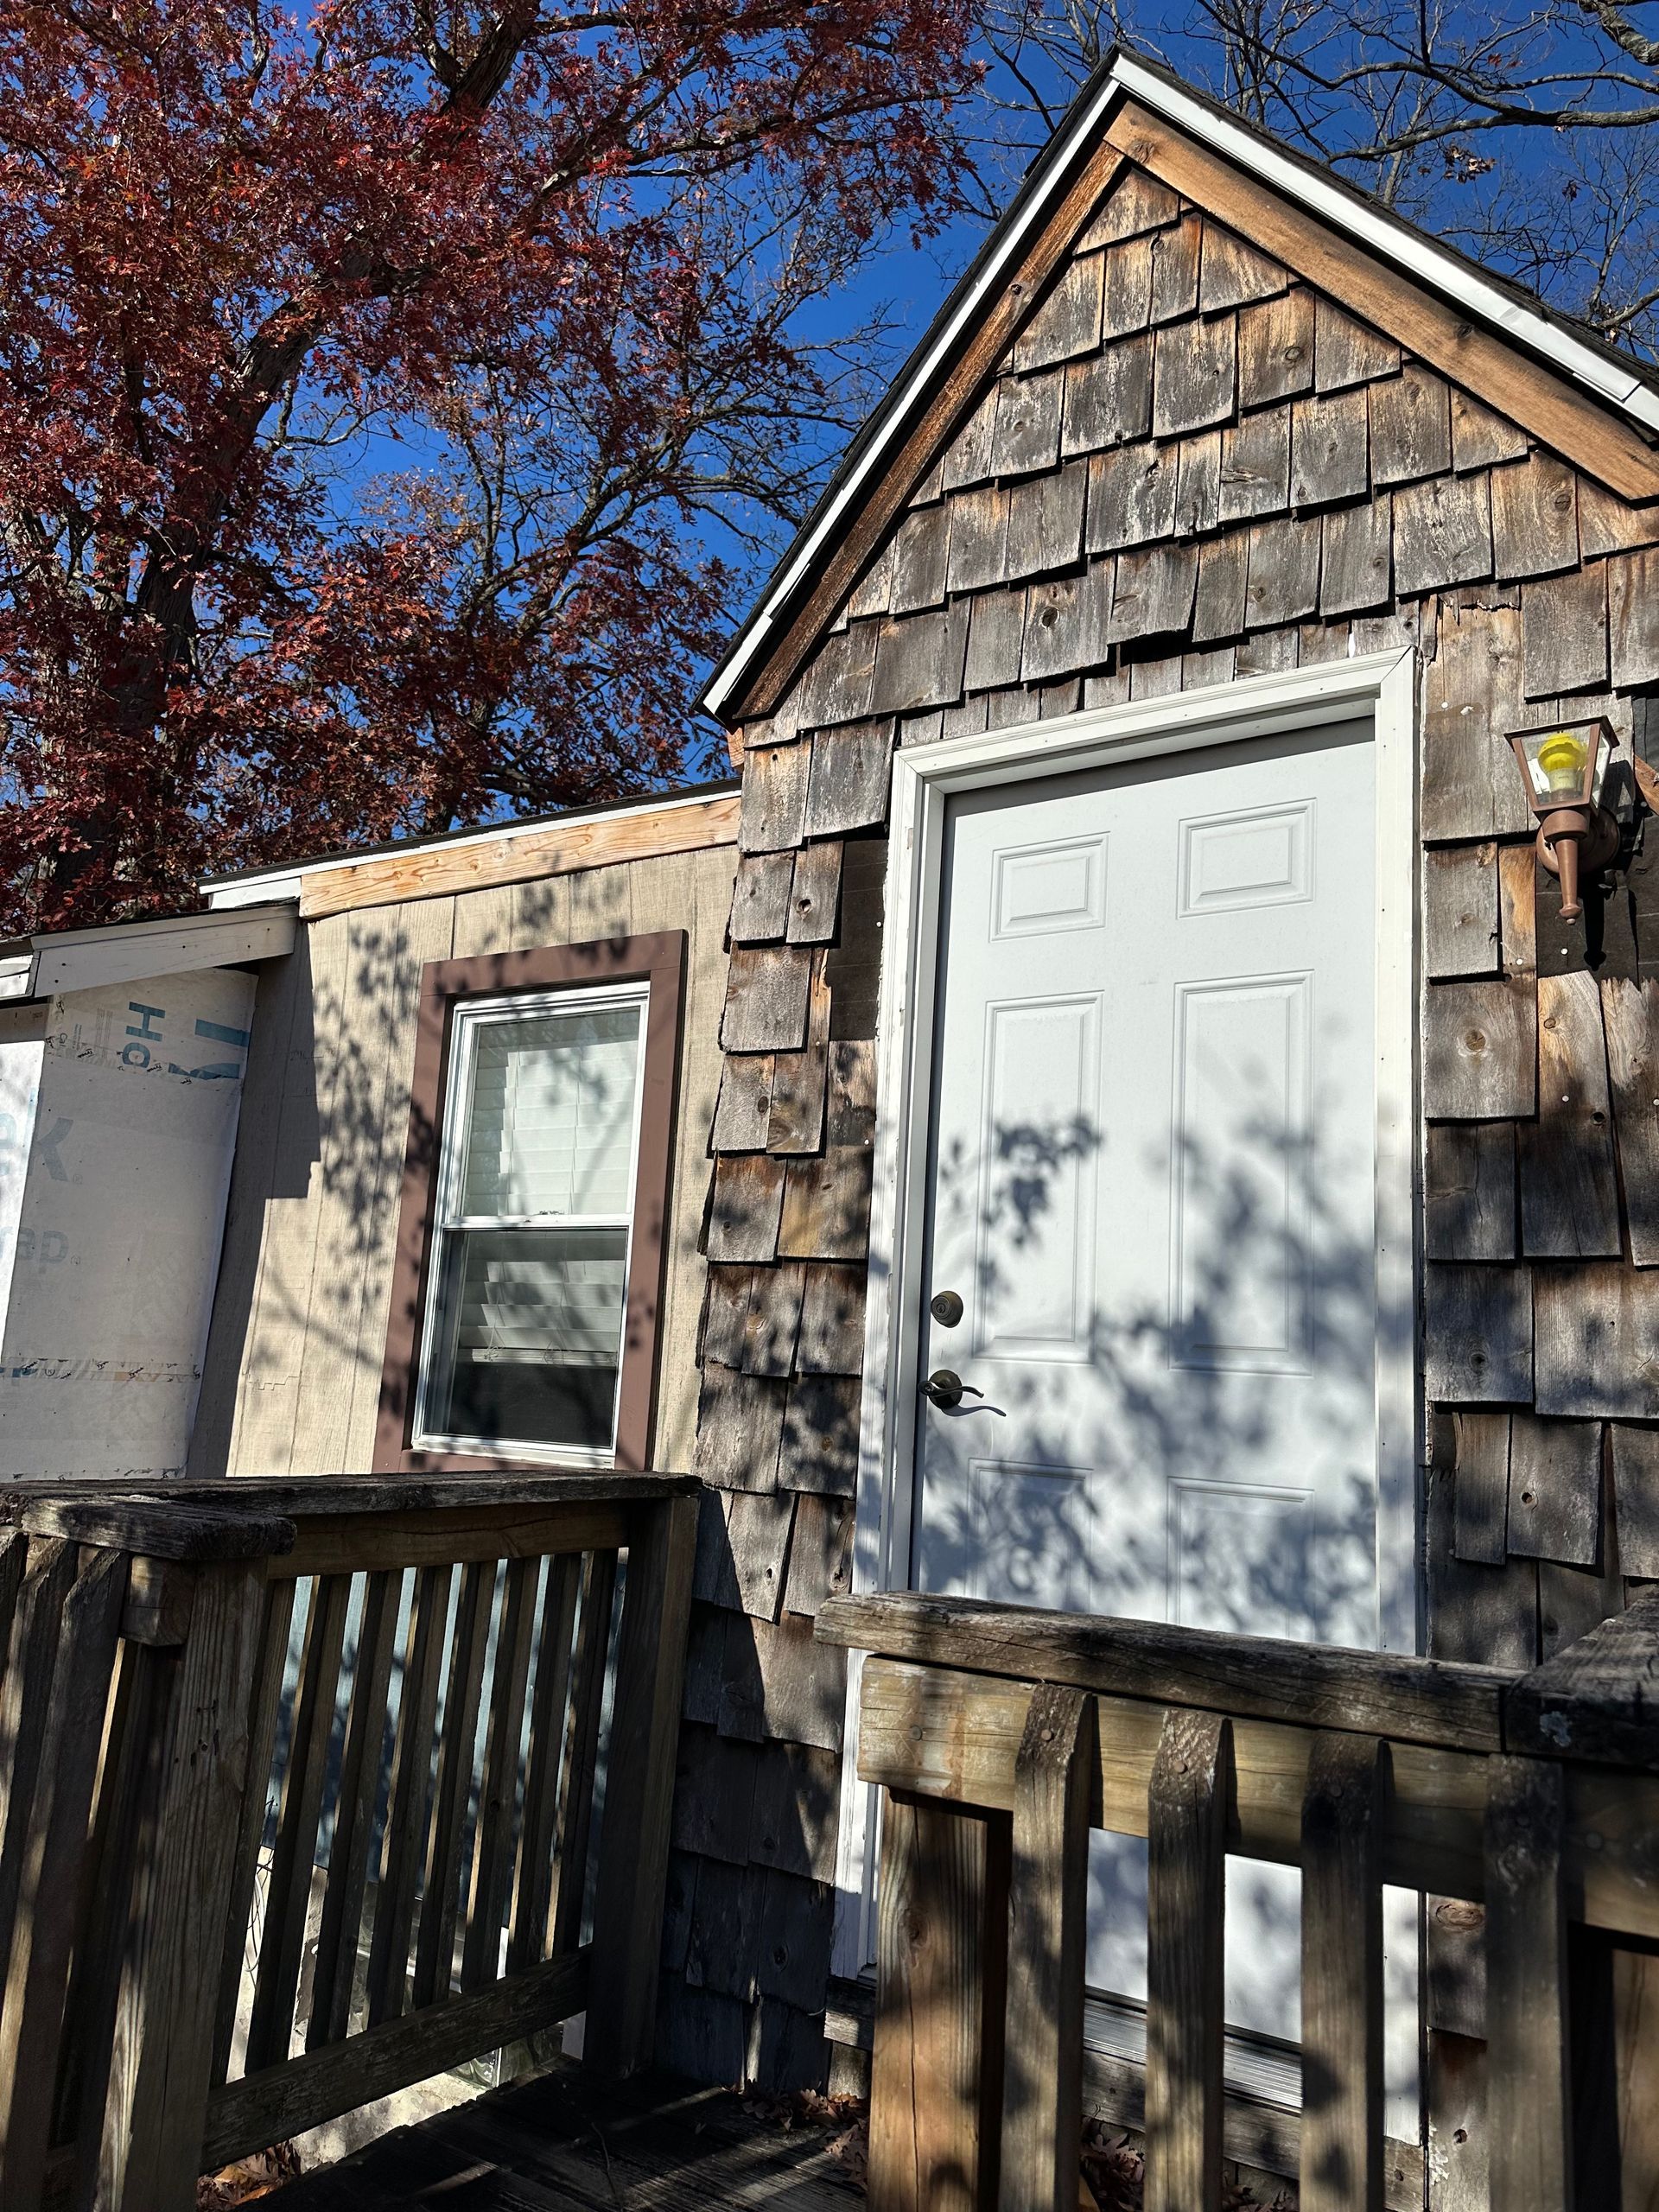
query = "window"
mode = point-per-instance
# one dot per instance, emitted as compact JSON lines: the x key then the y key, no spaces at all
{"x":529,"y":1278}
{"x":529,"y":1251}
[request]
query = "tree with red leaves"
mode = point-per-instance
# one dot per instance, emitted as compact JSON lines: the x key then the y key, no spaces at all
{"x":391,"y":395}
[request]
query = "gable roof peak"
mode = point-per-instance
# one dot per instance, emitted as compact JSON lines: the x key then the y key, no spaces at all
{"x":1127,"y":88}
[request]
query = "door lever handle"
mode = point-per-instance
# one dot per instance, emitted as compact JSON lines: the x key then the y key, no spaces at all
{"x":947,"y":1390}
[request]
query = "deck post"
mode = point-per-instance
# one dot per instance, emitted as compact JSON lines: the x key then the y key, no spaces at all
{"x":149,"y":2136}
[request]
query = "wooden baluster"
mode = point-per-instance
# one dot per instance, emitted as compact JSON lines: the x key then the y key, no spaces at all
{"x":639,"y":1786}
{"x":532,"y":1891}
{"x":14,"y":1561}
{"x":49,"y":1893}
{"x":492,"y":1853}
{"x":281,"y":1947}
{"x":1343,"y":1821}
{"x":127,"y":1806}
{"x":411,"y":1775}
{"x":1189,"y":1806}
{"x":1055,"y":1782}
{"x":25,"y":1696}
{"x":936,"y":2070}
{"x":434,"y":1948}
{"x":582,"y":1748}
{"x":360,"y":1775}
{"x":149,"y":2147}
{"x":1527,"y":2049}
{"x":276,"y":1622}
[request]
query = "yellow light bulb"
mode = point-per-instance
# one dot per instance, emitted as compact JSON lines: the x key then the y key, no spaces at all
{"x":1562,"y":759}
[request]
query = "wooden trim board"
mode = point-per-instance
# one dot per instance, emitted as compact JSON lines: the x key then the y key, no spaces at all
{"x":560,"y":848}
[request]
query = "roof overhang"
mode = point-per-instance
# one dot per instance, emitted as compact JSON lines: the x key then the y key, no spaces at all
{"x":1596,"y":371}
{"x":125,"y":952}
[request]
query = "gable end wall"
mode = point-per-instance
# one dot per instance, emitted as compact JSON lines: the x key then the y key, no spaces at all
{"x":1191,"y":466}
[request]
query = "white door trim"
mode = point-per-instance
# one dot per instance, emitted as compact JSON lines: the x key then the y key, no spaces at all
{"x":1377,"y":688}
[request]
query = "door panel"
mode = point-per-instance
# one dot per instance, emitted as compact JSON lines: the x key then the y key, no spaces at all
{"x":1151,"y":1180}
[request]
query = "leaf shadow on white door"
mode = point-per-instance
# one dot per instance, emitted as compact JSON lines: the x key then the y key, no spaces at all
{"x":1150,"y":1477}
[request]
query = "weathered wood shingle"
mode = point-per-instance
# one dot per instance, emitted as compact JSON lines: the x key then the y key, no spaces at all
{"x":1187,"y":466}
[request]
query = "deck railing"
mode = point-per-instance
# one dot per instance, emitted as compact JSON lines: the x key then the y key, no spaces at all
{"x":301,"y":1797}
{"x":1000,"y":1737}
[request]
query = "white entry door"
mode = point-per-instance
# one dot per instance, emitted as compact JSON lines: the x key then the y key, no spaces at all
{"x":1151,"y":1181}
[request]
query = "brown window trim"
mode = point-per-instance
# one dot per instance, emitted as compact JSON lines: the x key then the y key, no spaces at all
{"x":658,"y":960}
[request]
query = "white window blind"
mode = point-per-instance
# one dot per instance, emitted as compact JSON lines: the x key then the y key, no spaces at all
{"x":551,"y":1124}
{"x":529,"y":1281}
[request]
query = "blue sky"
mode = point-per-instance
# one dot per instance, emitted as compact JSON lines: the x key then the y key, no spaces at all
{"x":1533,"y":201}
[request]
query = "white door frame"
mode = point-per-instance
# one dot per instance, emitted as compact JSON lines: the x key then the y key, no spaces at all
{"x":1378,"y":689}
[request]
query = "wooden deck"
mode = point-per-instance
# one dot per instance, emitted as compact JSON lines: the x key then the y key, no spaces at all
{"x":555,"y":2145}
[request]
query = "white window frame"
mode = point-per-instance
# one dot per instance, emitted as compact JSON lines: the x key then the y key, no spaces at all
{"x":469,"y":1017}
{"x":1376,"y":689}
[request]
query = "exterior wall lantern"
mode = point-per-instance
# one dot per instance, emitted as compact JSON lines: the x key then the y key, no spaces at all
{"x":1564,"y":769}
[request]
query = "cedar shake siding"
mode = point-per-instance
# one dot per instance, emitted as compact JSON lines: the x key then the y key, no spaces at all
{"x":1183,"y":460}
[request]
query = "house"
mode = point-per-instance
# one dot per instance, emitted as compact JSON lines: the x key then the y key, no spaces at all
{"x":1112,"y":1114}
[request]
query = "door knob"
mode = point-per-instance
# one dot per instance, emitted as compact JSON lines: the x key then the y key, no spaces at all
{"x":945,"y":1306}
{"x":947,"y":1390}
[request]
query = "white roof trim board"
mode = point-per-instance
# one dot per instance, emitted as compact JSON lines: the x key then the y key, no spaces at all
{"x":124,"y":952}
{"x":259,"y":885}
{"x":1379,"y":232}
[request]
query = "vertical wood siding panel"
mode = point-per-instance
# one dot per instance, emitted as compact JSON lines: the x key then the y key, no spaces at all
{"x":1563,"y":626}
{"x":1469,"y":1195}
{"x":283,"y":996}
{"x":1472,"y":700}
{"x":1460,"y":912}
{"x":423,"y":929}
{"x":276,"y":1336}
{"x":354,"y":1141}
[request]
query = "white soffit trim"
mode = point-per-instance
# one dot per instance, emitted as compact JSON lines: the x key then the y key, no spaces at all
{"x":1379,"y":232}
{"x":279,"y":883}
{"x":79,"y":960}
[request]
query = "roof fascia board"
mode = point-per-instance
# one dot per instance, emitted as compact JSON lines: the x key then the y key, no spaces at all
{"x":559,"y":847}
{"x":1379,"y":233}
{"x":283,"y":883}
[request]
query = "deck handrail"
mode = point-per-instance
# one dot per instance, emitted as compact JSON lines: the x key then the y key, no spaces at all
{"x":300,"y":1786}
{"x":1000,"y":1736}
